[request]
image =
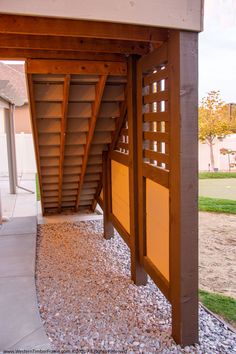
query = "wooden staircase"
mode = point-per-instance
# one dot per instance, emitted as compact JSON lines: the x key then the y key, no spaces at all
{"x":74,"y":117}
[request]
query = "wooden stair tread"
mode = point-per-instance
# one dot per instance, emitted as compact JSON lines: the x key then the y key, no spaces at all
{"x":60,"y":166}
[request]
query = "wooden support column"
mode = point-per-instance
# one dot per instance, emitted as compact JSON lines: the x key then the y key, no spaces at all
{"x":106,"y":177}
{"x":138,"y":274}
{"x":183,"y":81}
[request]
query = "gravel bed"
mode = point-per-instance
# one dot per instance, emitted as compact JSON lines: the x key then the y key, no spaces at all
{"x":88,"y":302}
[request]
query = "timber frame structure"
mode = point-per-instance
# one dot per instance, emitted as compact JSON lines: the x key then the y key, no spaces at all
{"x":114,"y":117}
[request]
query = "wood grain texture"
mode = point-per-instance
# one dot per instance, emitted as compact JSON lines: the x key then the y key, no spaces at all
{"x":157,"y":277}
{"x":141,"y":178}
{"x":119,"y":123}
{"x":138,"y":274}
{"x":183,"y":185}
{"x":107,"y":198}
{"x":79,"y":44}
{"x":154,"y":59}
{"x":76,"y":67}
{"x":119,"y":157}
{"x":63,"y":134}
{"x":89,"y":29}
{"x":120,"y":229}
{"x":95,"y":111}
{"x":16,"y":53}
{"x":156,"y":174}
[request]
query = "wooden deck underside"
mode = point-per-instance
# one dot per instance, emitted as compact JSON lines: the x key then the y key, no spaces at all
{"x":74,"y":117}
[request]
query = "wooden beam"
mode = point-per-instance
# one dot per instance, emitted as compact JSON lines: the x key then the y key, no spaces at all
{"x":115,"y":138}
{"x":155,"y":58}
{"x":76,"y":67}
{"x":107,"y":196}
{"x":95,"y":111}
{"x":100,"y":202}
{"x":183,"y":90}
{"x":35,"y":133}
{"x":15,"y":53}
{"x":138,"y":274}
{"x":72,"y":44}
{"x":120,"y":229}
{"x":119,"y":123}
{"x":97,"y":194}
{"x":66,"y":90}
{"x":74,"y":28}
{"x":157,"y":277}
{"x":141,"y":179}
{"x":156,"y":174}
{"x":119,"y":157}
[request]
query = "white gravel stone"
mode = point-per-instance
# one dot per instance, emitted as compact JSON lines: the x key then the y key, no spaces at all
{"x":88,"y":302}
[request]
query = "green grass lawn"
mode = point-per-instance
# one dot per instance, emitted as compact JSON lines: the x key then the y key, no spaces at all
{"x":37,"y":188}
{"x":223,"y":306}
{"x":206,"y":175}
{"x":217,"y":205}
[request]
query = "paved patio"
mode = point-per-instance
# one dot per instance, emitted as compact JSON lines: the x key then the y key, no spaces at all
{"x":21,"y":204}
{"x":20,"y":325}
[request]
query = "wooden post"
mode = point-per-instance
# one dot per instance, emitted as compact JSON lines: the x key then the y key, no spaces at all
{"x":106,"y":176}
{"x":138,"y":274}
{"x":183,"y":81}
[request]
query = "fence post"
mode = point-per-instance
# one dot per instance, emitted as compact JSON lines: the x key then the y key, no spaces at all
{"x":106,"y":177}
{"x":138,"y":273}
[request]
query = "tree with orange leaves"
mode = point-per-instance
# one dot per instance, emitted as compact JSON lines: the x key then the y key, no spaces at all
{"x":213,"y":121}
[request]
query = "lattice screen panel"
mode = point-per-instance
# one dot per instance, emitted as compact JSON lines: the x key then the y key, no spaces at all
{"x":123,"y":143}
{"x":155,"y":117}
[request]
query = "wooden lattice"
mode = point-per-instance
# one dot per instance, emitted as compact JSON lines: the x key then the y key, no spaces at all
{"x":123,"y":143}
{"x":155,"y":117}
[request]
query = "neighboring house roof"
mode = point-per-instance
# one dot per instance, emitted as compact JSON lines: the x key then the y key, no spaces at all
{"x":13,"y":84}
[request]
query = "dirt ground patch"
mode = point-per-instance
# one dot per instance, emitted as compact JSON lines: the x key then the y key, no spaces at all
{"x":217,"y":245}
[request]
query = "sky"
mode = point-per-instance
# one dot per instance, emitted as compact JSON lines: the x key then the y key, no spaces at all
{"x":217,"y":50}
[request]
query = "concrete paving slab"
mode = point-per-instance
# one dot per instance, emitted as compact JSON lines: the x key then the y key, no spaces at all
{"x":25,"y":205}
{"x":20,"y":225}
{"x":52,"y":219}
{"x":25,"y":201}
{"x":36,"y":340}
{"x":8,"y":204}
{"x":20,"y":322}
{"x":18,"y":305}
{"x":21,"y":204}
{"x":17,"y":255}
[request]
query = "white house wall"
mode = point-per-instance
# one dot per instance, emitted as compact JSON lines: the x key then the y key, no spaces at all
{"x":182,"y":14}
{"x":221,"y":161}
{"x":26,"y":158}
{"x":24,"y":154}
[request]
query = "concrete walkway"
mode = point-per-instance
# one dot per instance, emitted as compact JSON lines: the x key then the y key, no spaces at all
{"x":20,"y":323}
{"x":21,"y":204}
